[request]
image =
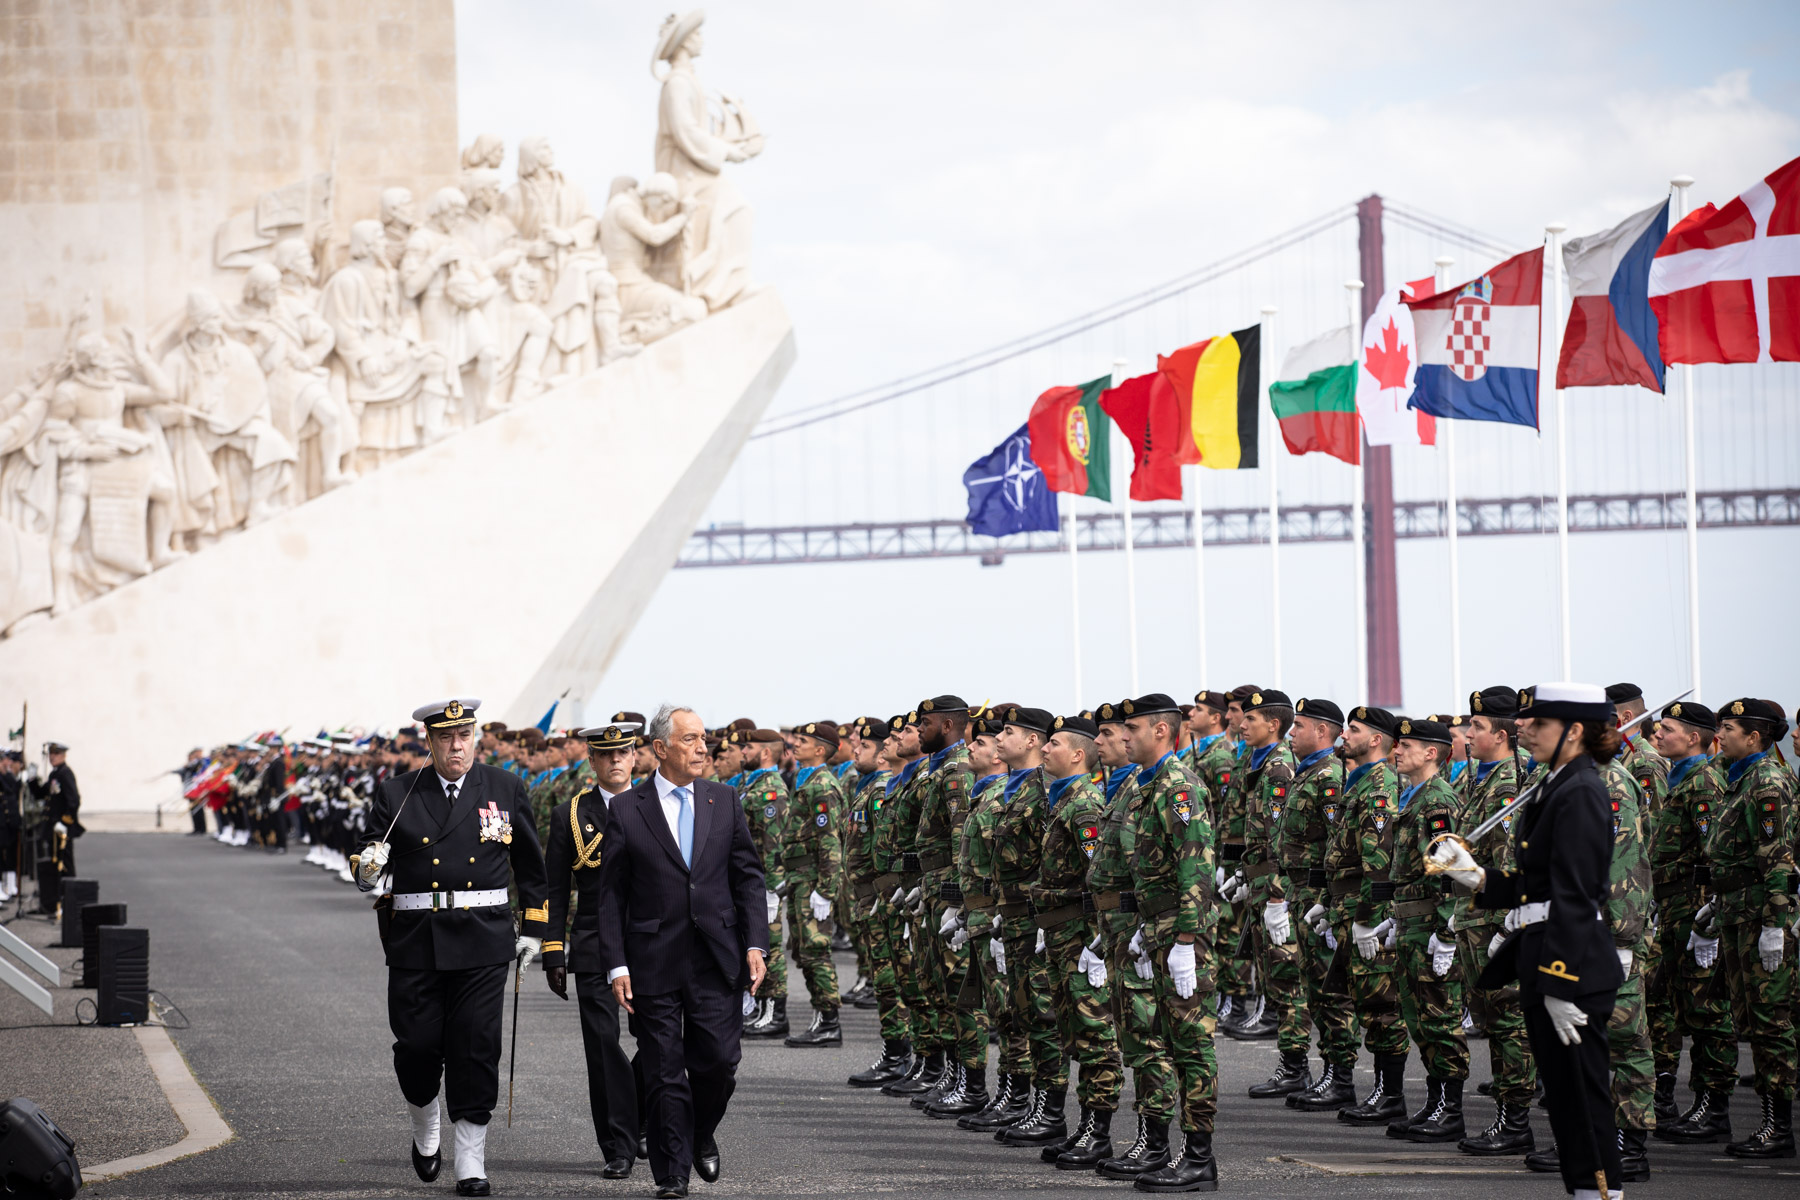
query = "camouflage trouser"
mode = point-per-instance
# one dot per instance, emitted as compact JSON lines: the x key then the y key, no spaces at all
{"x":1633,"y":1068}
{"x":774,"y":984}
{"x":1141,"y":1043}
{"x":1084,"y":1018}
{"x":1699,"y":1004}
{"x":895,"y":1019}
{"x":1237,"y":972}
{"x":1762,"y":1002}
{"x":1661,"y":1004}
{"x":942,"y":970}
{"x":854,"y":921}
{"x":1433,"y":1006}
{"x":971,"y":1002}
{"x":1028,"y":982}
{"x":996,"y":993}
{"x":1284,"y":983}
{"x":1331,"y":1011}
{"x":812,"y":946}
{"x":1375,"y":996}
{"x":928,"y":1021}
{"x":1188,"y":1025}
{"x":1498,"y":1011}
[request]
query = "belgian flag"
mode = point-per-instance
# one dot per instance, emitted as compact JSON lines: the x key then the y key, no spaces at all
{"x":1219,"y":382}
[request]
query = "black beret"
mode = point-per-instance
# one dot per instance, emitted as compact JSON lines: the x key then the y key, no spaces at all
{"x":1752,"y":709}
{"x":765,"y":736}
{"x":1155,"y":702}
{"x":873,"y":728}
{"x":1692,"y":712}
{"x":985,"y":726}
{"x":1425,"y":729}
{"x":902,"y":720}
{"x":1082,"y":723}
{"x":820,"y":731}
{"x":1035,"y":719}
{"x":1217,"y":701}
{"x":1319,"y":710}
{"x":1110,"y":714}
{"x":1378,"y":719}
{"x":1267,"y":698}
{"x":944,"y":704}
{"x":1499,"y":701}
{"x":1449,"y":720}
{"x":1624,"y":693}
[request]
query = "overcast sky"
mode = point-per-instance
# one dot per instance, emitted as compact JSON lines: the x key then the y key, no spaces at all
{"x":940,"y":178}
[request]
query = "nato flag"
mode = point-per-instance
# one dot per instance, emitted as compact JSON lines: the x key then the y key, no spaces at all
{"x":1007,"y":491}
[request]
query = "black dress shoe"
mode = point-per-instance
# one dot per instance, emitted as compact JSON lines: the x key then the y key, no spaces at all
{"x":427,"y":1165}
{"x":643,"y":1146}
{"x":706,"y":1160}
{"x":617,"y":1168}
{"x":673,"y":1190}
{"x":472,"y":1187}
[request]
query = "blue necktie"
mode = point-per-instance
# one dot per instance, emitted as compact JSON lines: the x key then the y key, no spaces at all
{"x":685,"y":823}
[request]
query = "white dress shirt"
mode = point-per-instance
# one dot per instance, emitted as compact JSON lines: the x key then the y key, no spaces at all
{"x":447,"y":784}
{"x":671,"y":807}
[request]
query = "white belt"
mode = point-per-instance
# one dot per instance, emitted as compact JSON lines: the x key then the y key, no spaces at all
{"x":416,"y":901}
{"x":1530,"y":914}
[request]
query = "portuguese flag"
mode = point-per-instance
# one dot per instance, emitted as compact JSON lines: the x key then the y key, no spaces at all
{"x":1218,"y":381}
{"x":1315,"y":398}
{"x":1069,"y":440}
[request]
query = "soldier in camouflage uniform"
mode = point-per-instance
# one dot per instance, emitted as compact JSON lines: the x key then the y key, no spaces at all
{"x":1211,"y":750}
{"x":1493,"y":782}
{"x":1018,"y":950}
{"x":1357,"y":865}
{"x":763,"y":794}
{"x":1629,"y":909}
{"x":812,"y":869}
{"x":868,"y":736}
{"x":1751,"y":848}
{"x":1240,"y":1007}
{"x":1069,"y":919}
{"x":1173,"y":865}
{"x":1694,"y":1003}
{"x":1141,"y":1043}
{"x":897,"y":893}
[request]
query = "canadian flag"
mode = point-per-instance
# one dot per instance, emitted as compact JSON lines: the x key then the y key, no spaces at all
{"x":1725,"y":283}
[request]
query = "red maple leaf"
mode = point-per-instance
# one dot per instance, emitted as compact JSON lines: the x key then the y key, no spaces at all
{"x":1388,"y":362}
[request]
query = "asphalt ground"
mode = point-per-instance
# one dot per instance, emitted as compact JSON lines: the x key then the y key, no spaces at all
{"x":278,"y":969}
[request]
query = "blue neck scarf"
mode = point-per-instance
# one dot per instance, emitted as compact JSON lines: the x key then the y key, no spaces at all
{"x":1680,"y":770}
{"x":1357,"y":774}
{"x":802,"y":774}
{"x":1259,"y":757}
{"x":1736,"y":770}
{"x":1202,"y":745}
{"x":1117,"y":778}
{"x":1058,"y":787}
{"x":757,"y":774}
{"x":1407,"y":794}
{"x":1310,"y":759}
{"x":1457,"y":768}
{"x":1484,"y":769}
{"x":1014,"y":781}
{"x":937,"y":760}
{"x":1154,"y":770}
{"x":862,"y":785}
{"x":844,"y":768}
{"x":984,"y":781}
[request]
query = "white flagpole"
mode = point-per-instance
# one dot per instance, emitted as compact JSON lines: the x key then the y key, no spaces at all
{"x":1444,"y":263}
{"x":1678,"y":210}
{"x":1359,"y":569}
{"x":1268,"y":377}
{"x":1118,"y":377}
{"x":1075,"y":590}
{"x":1555,"y":230}
{"x":1199,"y":570}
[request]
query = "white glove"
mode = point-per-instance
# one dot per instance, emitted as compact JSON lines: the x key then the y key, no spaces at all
{"x":1315,"y":919}
{"x":1235,"y":888}
{"x":949,"y":921}
{"x":1624,"y":960}
{"x":1452,"y":925}
{"x":1277,"y":922}
{"x":905,"y":932}
{"x":1458,"y":863}
{"x":1368,"y":941}
{"x":821,"y":907}
{"x":1143,"y":966}
{"x":772,"y":902}
{"x":997,"y":950}
{"x":1494,"y":945}
{"x":959,"y":939}
{"x":1393,"y":932}
{"x":527,"y":948}
{"x":1039,"y":949}
{"x":1512,"y":920}
{"x":873,"y":908}
{"x":1706,"y":950}
{"x":1443,"y":956}
{"x":1330,"y":938}
{"x":1092,"y":964}
{"x":749,"y":1005}
{"x":1181,"y":969}
{"x":1567,"y":1018}
{"x":1219,"y":880}
{"x":373,"y":862}
{"x":1703,"y":917}
{"x":1136,"y":945}
{"x":910,"y":896}
{"x":1771,"y":943}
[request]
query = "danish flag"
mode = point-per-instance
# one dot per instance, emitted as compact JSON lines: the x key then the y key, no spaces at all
{"x":1725,"y":283}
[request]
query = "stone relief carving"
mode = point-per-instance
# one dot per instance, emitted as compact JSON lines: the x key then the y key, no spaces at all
{"x":130,"y":451}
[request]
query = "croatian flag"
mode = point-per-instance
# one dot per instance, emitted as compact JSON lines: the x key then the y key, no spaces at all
{"x":1478,"y":345}
{"x":1612,"y":332}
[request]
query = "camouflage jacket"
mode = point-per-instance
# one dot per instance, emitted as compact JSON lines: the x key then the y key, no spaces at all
{"x":1752,"y":845}
{"x":1628,"y":902}
{"x":764,"y":797}
{"x":1212,"y":766}
{"x":943,"y":802}
{"x":1304,"y":827}
{"x":1263,"y":787}
{"x":1110,"y":868}
{"x":1427,"y":812}
{"x":1019,"y":835}
{"x":1650,"y":769}
{"x":1488,"y":795}
{"x":975,"y":856}
{"x":897,"y":828}
{"x":1071,"y":836}
{"x":1231,"y":806}
{"x":859,"y":827}
{"x":1678,"y":829}
{"x":1365,"y":844}
{"x":811,"y":849}
{"x":1172,"y":853}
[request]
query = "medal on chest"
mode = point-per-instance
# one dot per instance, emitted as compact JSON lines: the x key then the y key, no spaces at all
{"x":496,"y":826}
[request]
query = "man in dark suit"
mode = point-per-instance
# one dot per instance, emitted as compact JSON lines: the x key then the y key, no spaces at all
{"x":458,"y":829}
{"x":61,"y":801}
{"x":684,"y":929}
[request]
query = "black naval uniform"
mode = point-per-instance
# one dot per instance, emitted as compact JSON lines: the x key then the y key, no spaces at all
{"x":12,"y":823}
{"x":613,"y":1090}
{"x":447,"y":965}
{"x":62,"y":813}
{"x":1564,"y":842}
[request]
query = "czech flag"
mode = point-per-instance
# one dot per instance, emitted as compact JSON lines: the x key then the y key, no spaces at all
{"x":1612,"y":332}
{"x":1479,"y":345}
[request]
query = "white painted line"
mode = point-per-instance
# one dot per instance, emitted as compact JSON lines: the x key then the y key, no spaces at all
{"x":206,"y":1128}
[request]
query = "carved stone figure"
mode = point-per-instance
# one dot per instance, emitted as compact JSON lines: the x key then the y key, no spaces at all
{"x":521,"y":334}
{"x":640,"y":219}
{"x":292,"y":342}
{"x":694,"y":148}
{"x":551,"y":214}
{"x":487,"y":150}
{"x":293,"y":258}
{"x":451,"y":286}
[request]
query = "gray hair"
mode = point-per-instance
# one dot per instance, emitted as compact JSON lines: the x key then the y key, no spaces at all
{"x":662,"y":725}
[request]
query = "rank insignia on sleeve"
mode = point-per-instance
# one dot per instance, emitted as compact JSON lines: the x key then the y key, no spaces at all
{"x":1183,"y":808}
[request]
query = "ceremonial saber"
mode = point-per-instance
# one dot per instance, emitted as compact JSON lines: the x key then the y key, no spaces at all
{"x":512,"y":1057}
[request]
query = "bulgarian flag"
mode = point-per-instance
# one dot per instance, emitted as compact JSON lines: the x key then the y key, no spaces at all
{"x":1315,"y":398}
{"x":1218,"y":381}
{"x":1069,"y":441}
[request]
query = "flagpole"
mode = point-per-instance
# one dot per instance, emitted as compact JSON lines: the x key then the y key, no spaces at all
{"x":1199,"y":570}
{"x":1268,"y":376}
{"x":1359,"y":569}
{"x":1555,"y":230}
{"x":1444,"y":263}
{"x":1118,"y":377}
{"x":1075,"y":595}
{"x":1678,"y":210}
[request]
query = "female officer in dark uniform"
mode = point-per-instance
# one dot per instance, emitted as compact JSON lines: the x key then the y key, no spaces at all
{"x":1561,"y":950}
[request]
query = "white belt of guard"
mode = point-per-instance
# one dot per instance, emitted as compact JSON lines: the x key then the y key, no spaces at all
{"x":437,"y":901}
{"x":1531,"y":914}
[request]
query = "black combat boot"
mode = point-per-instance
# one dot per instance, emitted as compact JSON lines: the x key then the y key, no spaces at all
{"x":896,"y":1058}
{"x":1231,"y":1011}
{"x":1319,"y":1084}
{"x":1148,"y":1154}
{"x":1665,"y":1098}
{"x":1261,"y":1023}
{"x":1092,"y":1144}
{"x":1634,"y":1157}
{"x":777,"y":1024}
{"x":930,"y":1070}
{"x":1387,"y":1100}
{"x":1048,"y":1126}
{"x":1290,"y":1077}
{"x":1544,"y":1162}
{"x":1339,"y":1091}
{"x":972,"y":1096}
{"x":824,"y":1030}
{"x":1005,"y":1086}
{"x":1029,"y":1117}
{"x":912,"y":1074}
{"x":1775,"y":1137}
{"x":946,"y":1084}
{"x":764,"y":1011}
{"x":1444,"y":1123}
{"x":1054,"y":1150}
{"x":1403,"y":1125}
{"x":1708,"y":1121}
{"x":1196,"y":1172}
{"x":1509,"y":1134}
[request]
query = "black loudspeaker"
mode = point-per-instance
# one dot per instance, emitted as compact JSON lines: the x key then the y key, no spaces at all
{"x":124,"y":997}
{"x":93,"y":916}
{"x":47,"y":878}
{"x":75,"y":894}
{"x":36,"y":1158}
